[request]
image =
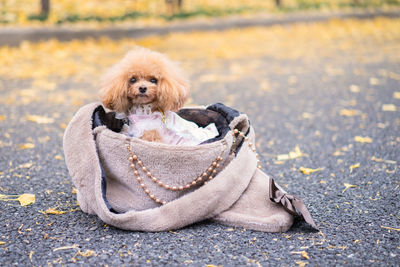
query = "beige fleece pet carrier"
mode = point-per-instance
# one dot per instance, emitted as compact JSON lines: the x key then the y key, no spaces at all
{"x":147,"y":186}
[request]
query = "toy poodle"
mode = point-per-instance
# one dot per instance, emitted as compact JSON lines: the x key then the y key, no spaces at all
{"x":145,"y":89}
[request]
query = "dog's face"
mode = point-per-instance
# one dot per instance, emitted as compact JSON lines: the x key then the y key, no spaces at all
{"x":144,"y":77}
{"x":142,"y":89}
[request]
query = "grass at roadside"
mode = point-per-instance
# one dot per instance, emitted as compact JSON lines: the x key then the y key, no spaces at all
{"x":27,"y":12}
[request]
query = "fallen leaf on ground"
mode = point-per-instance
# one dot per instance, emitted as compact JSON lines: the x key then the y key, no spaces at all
{"x":361,"y":139}
{"x":349,"y":112}
{"x":2,"y":117}
{"x":373,"y":158}
{"x":31,"y":255}
{"x":283,"y":157}
{"x":396,"y":95}
{"x":309,"y":170}
{"x":53,"y":211}
{"x":59,"y":157}
{"x":354,"y":166}
{"x":292,"y":154}
{"x":26,"y":146}
{"x":394,"y":76}
{"x":44,"y":139}
{"x":26,"y":199}
{"x":389,"y":107}
{"x":74,"y":190}
{"x":347,"y":186}
{"x":302,"y":253}
{"x":373,"y":81}
{"x":39,"y":119}
{"x":66,"y":247}
{"x":305,"y":255}
{"x":354,"y":88}
{"x":307,"y":115}
{"x":26,"y":165}
{"x":87,"y":253}
{"x":390,"y":228}
{"x":2,"y":243}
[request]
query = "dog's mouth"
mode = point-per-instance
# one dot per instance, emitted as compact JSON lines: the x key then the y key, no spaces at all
{"x":142,"y":98}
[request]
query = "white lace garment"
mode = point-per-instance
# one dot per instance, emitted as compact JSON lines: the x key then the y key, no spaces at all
{"x":173,"y":129}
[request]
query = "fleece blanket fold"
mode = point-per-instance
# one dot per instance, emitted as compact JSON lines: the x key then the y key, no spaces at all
{"x":233,"y":192}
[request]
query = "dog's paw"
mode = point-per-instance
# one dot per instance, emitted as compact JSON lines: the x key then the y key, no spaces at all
{"x":151,"y":136}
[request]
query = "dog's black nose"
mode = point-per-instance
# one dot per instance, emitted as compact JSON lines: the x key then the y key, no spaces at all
{"x":142,"y":89}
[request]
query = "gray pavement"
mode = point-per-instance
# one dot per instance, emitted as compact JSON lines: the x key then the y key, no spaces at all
{"x":302,"y":107}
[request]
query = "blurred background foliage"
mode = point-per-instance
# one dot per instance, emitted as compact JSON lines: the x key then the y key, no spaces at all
{"x":20,"y":12}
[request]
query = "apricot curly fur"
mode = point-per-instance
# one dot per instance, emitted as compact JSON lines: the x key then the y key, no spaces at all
{"x":170,"y":93}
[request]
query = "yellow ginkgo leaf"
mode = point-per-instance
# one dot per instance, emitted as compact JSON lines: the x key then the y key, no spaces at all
{"x":347,"y":186}
{"x":361,"y":139}
{"x":305,"y":255}
{"x":87,"y":253}
{"x":54,"y":211}
{"x":373,"y":81}
{"x":389,"y":107}
{"x":26,"y":199}
{"x":309,"y":170}
{"x":2,"y":117}
{"x":354,"y":166}
{"x":349,"y":112}
{"x":291,"y":155}
{"x":354,"y":88}
{"x":26,"y":165}
{"x":2,"y":243}
{"x":39,"y":119}
{"x":74,"y":246}
{"x":283,"y":157}
{"x":296,"y":153}
{"x":390,"y":228}
{"x":396,"y":95}
{"x":26,"y":146}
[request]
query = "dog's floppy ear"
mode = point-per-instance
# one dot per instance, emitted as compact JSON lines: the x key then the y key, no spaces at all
{"x":173,"y":89}
{"x":113,"y":90}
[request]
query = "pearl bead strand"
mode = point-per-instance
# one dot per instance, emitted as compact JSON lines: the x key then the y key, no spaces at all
{"x":236,"y":133}
{"x":208,"y":175}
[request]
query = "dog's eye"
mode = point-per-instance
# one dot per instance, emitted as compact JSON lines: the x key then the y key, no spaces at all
{"x":132,"y":80}
{"x":153,"y":80}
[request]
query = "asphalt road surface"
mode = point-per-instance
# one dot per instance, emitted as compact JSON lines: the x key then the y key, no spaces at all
{"x":324,"y":96}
